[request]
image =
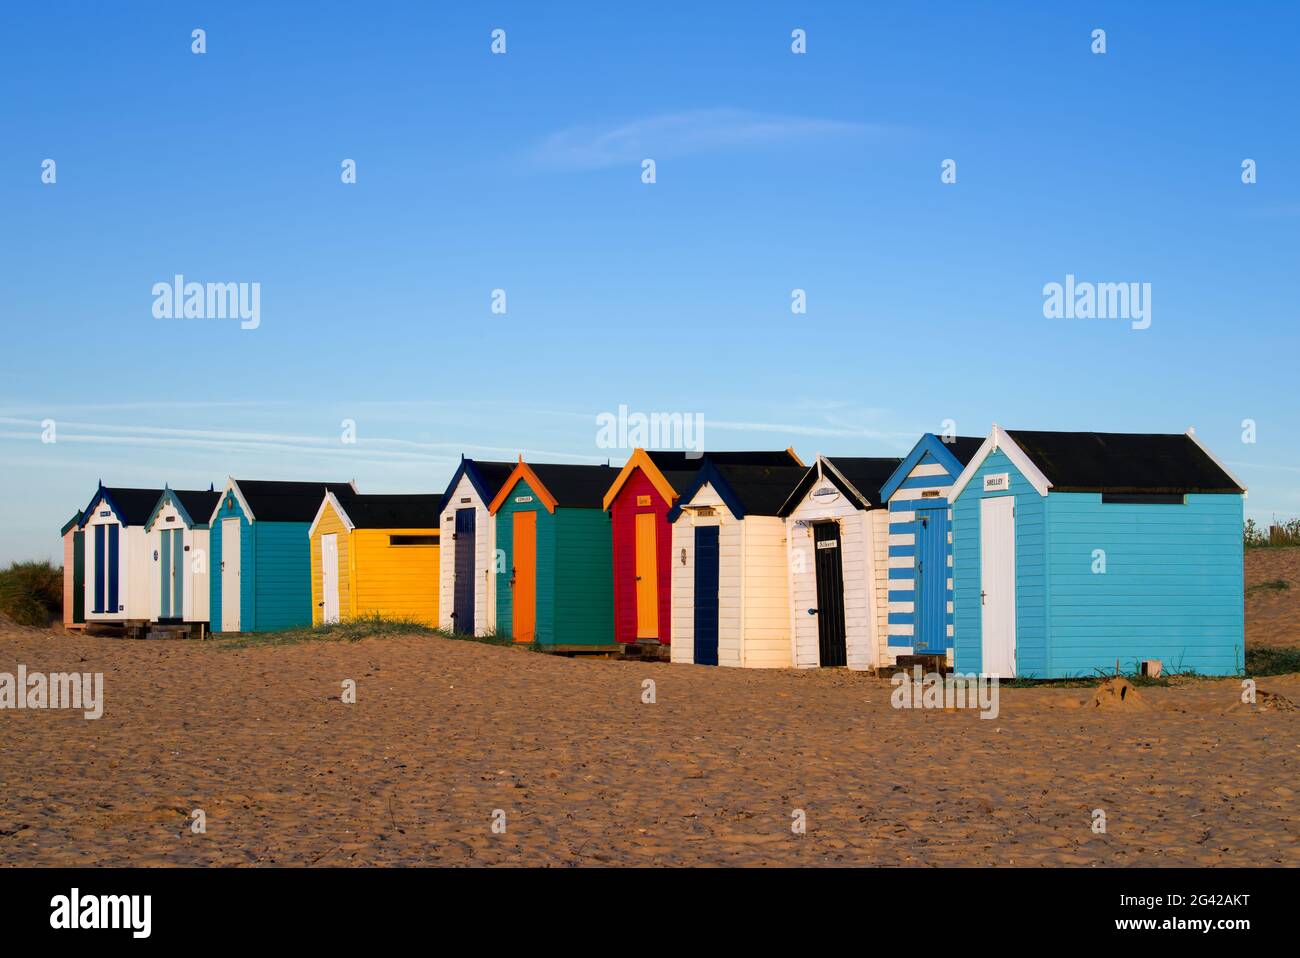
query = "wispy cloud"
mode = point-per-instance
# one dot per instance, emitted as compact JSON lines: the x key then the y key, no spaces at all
{"x":679,"y":134}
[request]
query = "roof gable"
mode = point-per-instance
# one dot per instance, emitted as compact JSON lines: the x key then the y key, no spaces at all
{"x":131,"y":506}
{"x":953,"y":455}
{"x":1172,"y":463}
{"x":486,"y":477}
{"x":858,"y":479}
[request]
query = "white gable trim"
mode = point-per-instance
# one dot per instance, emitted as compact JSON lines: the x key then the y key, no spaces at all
{"x":231,"y":486}
{"x":998,"y":440}
{"x":1191,"y":433}
{"x":331,"y":500}
{"x":829,"y":466}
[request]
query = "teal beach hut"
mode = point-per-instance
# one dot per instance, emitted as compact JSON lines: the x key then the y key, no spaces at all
{"x":1075,"y":551}
{"x":260,"y":579}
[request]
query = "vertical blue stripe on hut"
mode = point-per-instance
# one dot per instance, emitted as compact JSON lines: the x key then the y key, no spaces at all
{"x":100,"y":571}
{"x":114,"y":567}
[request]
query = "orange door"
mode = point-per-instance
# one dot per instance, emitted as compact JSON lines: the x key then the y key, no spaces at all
{"x":647,"y":577}
{"x":523,"y":578}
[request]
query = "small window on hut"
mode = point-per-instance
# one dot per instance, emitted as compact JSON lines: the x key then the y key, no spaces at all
{"x":1144,"y":498}
{"x":412,"y":540}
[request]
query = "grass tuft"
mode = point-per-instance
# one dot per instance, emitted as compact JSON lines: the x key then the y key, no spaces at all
{"x":31,"y":593}
{"x":1268,"y":661}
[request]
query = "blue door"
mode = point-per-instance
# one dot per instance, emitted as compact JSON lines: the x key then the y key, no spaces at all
{"x":178,"y":573}
{"x":114,"y":558}
{"x":930,"y":608}
{"x":165,"y":575}
{"x":462,"y":615}
{"x":101,"y":570}
{"x":706,"y":595}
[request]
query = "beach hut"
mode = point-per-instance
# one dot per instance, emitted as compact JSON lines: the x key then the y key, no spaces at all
{"x":555,"y":586}
{"x":466,"y":567}
{"x":260,"y":579}
{"x":1078,"y":551}
{"x":638,"y":502}
{"x":375,"y":555}
{"x":729,"y":578}
{"x":920,"y":547}
{"x":837,"y":537}
{"x":178,"y":549}
{"x":118,"y":568}
{"x":74,"y":573}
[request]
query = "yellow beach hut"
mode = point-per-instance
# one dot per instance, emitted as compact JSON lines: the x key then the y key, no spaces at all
{"x":375,"y":555}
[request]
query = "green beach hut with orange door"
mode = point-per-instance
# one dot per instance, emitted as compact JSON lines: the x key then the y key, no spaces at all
{"x":554,"y":557}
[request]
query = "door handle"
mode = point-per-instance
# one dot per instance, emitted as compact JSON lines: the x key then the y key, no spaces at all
{"x":982,"y":595}
{"x":812,"y":611}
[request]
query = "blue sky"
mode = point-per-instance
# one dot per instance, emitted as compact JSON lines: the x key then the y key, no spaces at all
{"x":522,"y":172}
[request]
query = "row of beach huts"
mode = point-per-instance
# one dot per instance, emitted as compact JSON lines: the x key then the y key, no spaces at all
{"x":1024,"y":553}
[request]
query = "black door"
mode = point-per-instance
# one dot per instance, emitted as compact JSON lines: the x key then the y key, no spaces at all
{"x":706,"y":595}
{"x":78,"y":577}
{"x":830,"y":594}
{"x":462,"y":589}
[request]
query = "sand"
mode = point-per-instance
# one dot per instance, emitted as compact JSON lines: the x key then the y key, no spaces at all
{"x":444,"y":733}
{"x":1273,"y":615}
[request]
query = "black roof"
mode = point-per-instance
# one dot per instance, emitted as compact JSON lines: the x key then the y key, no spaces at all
{"x":762,"y":490}
{"x":287,"y":501}
{"x":1123,"y":462}
{"x":493,"y":475}
{"x":679,"y":468}
{"x":963,"y":447}
{"x":392,"y":512}
{"x":198,"y":503}
{"x":575,"y":486}
{"x":134,"y":506}
{"x":865,"y":477}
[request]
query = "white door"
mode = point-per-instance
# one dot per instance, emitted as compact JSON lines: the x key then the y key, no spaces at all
{"x":230,"y":575}
{"x":998,"y":585}
{"x":329,"y":575}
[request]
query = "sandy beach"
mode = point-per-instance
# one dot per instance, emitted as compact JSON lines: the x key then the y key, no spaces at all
{"x":444,"y":733}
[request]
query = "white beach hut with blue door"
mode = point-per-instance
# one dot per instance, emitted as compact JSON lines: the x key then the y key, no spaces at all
{"x":466,"y":560}
{"x":118,"y":566}
{"x":730,"y":586}
{"x":837,"y":537}
{"x":1080,"y":551}
{"x":177,"y":530}
{"x":920,"y":546}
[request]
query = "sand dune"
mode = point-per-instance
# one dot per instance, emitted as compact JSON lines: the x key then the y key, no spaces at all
{"x":444,"y":733}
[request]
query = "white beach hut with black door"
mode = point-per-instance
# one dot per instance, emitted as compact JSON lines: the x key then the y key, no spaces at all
{"x":467,"y":557}
{"x":837,"y":539}
{"x":730,"y":599}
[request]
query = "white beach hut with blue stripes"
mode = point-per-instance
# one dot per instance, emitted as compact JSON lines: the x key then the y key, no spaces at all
{"x":920,"y":546}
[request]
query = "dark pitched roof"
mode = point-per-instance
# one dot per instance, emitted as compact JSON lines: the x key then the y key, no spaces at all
{"x":287,"y":501}
{"x":486,"y":478}
{"x":761,"y":490}
{"x":575,"y":486}
{"x":1123,"y":462}
{"x":392,"y":512}
{"x":680,"y":468}
{"x":964,"y":448}
{"x":869,"y":474}
{"x":74,"y":521}
{"x":198,"y":503}
{"x":864,"y":479}
{"x":133,"y":506}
